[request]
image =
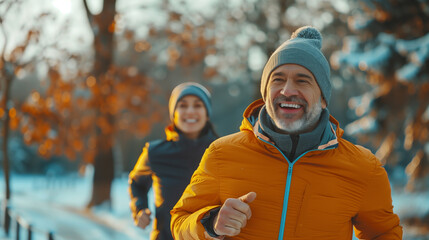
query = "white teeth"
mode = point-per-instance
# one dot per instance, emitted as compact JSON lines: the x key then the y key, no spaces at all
{"x":191,"y":120}
{"x":289,"y":105}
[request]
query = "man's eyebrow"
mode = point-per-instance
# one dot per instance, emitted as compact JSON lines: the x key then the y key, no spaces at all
{"x":304,"y":75}
{"x":278,"y":74}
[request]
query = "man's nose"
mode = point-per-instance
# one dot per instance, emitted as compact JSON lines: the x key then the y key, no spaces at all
{"x":289,"y":89}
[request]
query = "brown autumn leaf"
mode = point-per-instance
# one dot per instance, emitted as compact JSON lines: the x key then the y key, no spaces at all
{"x":174,"y":16}
{"x":33,"y":35}
{"x":43,"y":151}
{"x":14,"y":123}
{"x":171,"y":64}
{"x":128,"y":34}
{"x":17,"y":53}
{"x":142,"y":46}
{"x":152,"y":31}
{"x":143,"y":126}
{"x":78,"y":145}
{"x":70,"y":153}
{"x":210,"y":72}
{"x":112,"y":27}
{"x":89,"y":156}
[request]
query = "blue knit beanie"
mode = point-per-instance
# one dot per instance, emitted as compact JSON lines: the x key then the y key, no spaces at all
{"x":189,"y":88}
{"x":303,"y":48}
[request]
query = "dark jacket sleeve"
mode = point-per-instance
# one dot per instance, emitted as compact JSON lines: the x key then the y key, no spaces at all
{"x":140,"y":181}
{"x":376,"y":219}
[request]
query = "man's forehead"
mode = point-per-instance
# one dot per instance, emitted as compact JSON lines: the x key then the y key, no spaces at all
{"x":298,"y":70}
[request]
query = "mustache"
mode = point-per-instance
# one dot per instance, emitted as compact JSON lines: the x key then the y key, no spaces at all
{"x":283,"y":98}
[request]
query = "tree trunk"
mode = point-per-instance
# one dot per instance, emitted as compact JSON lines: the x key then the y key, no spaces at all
{"x":6,"y":95}
{"x":103,"y":28}
{"x":103,"y":172}
{"x":5,"y":141}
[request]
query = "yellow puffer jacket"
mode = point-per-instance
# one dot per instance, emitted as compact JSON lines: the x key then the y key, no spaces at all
{"x":321,"y":195}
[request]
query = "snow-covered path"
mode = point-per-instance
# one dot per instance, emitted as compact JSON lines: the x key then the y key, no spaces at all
{"x":65,"y":222}
{"x":58,"y":206}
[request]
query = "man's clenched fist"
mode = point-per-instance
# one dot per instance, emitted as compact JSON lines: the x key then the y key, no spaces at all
{"x":233,"y":215}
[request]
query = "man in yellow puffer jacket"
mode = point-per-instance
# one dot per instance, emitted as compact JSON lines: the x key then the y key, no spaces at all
{"x":288,"y":173}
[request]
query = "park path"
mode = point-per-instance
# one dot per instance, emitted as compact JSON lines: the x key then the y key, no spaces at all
{"x":60,"y":210}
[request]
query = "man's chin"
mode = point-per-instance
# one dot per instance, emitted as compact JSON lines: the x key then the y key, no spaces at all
{"x":290,"y":128}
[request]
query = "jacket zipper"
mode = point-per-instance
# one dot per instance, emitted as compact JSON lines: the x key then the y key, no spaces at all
{"x":288,"y":183}
{"x":295,"y":139}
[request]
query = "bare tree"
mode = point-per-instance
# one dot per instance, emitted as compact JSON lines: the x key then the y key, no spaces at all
{"x":103,"y":26}
{"x":11,"y":63}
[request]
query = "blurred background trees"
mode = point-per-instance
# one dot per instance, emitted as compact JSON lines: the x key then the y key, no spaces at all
{"x":88,"y":81}
{"x":20,"y":54}
{"x":389,"y":48}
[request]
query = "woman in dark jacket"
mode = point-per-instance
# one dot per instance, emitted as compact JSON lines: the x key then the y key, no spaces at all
{"x":167,"y":165}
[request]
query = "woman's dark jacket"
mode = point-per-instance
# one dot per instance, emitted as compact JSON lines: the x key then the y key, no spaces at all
{"x":167,"y":165}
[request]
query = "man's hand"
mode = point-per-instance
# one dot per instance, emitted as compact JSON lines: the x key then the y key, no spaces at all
{"x":233,"y":215}
{"x":143,"y":218}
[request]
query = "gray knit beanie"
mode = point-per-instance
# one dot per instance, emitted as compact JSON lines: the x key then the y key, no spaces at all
{"x":303,"y":48}
{"x":189,"y":88}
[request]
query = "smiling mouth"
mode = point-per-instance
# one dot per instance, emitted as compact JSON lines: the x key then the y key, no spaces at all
{"x":190,"y":120}
{"x":290,"y":106}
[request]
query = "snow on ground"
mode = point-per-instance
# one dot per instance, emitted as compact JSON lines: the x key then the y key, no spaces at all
{"x":58,"y":205}
{"x":412,"y":205}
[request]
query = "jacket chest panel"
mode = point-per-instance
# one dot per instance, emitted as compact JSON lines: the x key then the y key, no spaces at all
{"x":332,"y":198}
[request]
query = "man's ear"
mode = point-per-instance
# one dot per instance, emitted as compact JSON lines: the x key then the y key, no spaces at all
{"x":324,"y":105}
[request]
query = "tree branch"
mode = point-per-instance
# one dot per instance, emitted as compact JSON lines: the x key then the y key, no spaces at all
{"x":4,"y":31}
{"x":89,"y":15}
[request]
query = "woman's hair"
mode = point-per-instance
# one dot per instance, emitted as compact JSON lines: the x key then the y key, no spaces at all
{"x":209,"y":127}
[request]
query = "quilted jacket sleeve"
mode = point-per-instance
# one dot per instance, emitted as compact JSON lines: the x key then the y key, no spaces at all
{"x":199,"y":197}
{"x":376,"y":219}
{"x":140,"y":181}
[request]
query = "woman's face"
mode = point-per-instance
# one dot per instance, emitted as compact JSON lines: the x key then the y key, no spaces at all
{"x":190,"y":116}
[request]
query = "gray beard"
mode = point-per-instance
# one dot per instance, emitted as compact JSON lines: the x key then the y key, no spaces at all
{"x":304,"y":124}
